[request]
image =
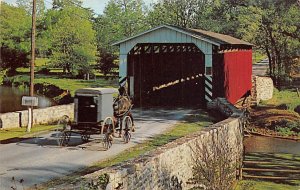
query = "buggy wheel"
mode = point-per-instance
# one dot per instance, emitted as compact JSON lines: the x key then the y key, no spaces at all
{"x":63,"y":138}
{"x":85,"y":137}
{"x":127,"y":127}
{"x":108,"y":126}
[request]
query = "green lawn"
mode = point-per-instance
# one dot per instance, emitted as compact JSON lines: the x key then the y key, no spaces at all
{"x":58,"y":79}
{"x":74,"y":84}
{"x":263,"y":185}
{"x":288,"y":97}
{"x":21,"y":132}
{"x":67,"y":83}
{"x":39,"y":62}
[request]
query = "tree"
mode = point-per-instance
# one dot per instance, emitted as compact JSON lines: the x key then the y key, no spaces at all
{"x":174,"y":12}
{"x":107,"y":61}
{"x":27,"y":5}
{"x":218,"y":16}
{"x":72,"y":37}
{"x":120,"y":19}
{"x":57,"y":4}
{"x":274,"y":28}
{"x":15,"y":36}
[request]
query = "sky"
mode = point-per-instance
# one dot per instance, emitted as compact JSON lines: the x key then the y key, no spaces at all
{"x":97,"y":5}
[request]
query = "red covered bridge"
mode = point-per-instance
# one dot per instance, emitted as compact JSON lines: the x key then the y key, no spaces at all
{"x":169,"y":65}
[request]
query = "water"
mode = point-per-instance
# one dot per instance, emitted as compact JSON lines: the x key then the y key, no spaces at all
{"x":10,"y":99}
{"x":271,"y":145}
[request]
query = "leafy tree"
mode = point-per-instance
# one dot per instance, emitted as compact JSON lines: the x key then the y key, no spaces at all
{"x":174,"y":12}
{"x":107,"y":61}
{"x":57,"y":4}
{"x":273,"y":27}
{"x":120,"y":19}
{"x":27,"y":5}
{"x":15,"y":36}
{"x":12,"y":58}
{"x":72,"y":39}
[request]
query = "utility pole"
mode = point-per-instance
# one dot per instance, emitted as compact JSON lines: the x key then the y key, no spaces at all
{"x":30,"y":109}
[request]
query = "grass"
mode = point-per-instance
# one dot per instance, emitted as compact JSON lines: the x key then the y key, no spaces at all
{"x":287,"y":96}
{"x":73,"y":84}
{"x":6,"y":134}
{"x":276,"y":116}
{"x":191,"y":123}
{"x":58,"y":79}
{"x":67,"y":83}
{"x":263,"y":185}
{"x":39,"y":62}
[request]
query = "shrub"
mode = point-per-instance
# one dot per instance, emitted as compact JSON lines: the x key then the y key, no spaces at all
{"x":214,"y":165}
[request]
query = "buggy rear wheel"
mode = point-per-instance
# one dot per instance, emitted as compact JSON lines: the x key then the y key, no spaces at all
{"x":108,"y":127}
{"x":128,"y":128}
{"x":63,"y":135}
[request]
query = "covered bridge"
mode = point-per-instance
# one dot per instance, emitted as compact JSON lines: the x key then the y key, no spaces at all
{"x":170,"y":65}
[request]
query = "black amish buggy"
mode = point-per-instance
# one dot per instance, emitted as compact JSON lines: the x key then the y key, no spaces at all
{"x":96,"y":111}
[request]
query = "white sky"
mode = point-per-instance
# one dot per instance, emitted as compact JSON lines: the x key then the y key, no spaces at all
{"x":96,"y":5}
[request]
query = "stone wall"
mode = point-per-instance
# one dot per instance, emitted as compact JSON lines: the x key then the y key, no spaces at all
{"x":262,"y":89}
{"x":40,"y":116}
{"x":170,"y":166}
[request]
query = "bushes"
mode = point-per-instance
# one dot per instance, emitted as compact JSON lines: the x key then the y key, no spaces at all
{"x":214,"y":165}
{"x":288,"y":128}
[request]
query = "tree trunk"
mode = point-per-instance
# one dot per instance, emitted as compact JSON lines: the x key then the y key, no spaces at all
{"x":270,"y":64}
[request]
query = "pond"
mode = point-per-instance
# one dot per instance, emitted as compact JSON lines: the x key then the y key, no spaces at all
{"x":271,"y":145}
{"x":10,"y":99}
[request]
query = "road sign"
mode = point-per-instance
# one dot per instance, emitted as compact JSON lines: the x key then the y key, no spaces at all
{"x":29,"y":101}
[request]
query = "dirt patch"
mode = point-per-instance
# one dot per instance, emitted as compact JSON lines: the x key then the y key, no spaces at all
{"x":274,"y":122}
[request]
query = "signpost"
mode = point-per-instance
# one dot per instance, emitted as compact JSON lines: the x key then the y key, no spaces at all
{"x":29,"y":101}
{"x":30,"y":108}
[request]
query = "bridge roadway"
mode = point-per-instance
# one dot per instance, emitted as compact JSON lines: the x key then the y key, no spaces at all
{"x":39,"y":159}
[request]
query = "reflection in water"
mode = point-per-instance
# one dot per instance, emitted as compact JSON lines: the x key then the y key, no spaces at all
{"x":271,"y":145}
{"x":10,"y":99}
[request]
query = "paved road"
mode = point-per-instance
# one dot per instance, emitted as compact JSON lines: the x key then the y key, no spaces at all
{"x":260,"y":68}
{"x":40,"y":159}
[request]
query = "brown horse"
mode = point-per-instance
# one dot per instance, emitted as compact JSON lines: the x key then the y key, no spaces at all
{"x":122,"y":106}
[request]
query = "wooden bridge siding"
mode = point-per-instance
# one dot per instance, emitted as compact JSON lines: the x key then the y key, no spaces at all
{"x":164,"y":35}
